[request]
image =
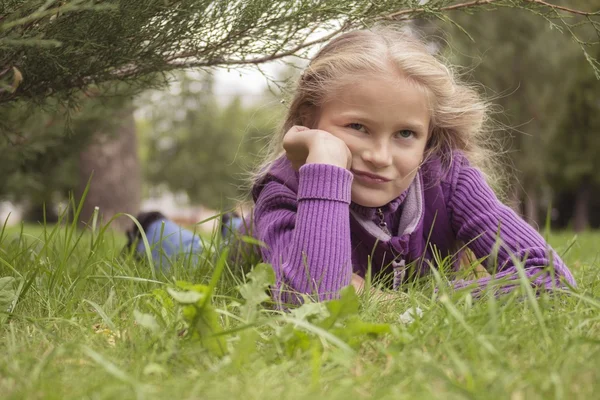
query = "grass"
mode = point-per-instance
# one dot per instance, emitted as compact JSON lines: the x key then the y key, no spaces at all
{"x":83,"y":322}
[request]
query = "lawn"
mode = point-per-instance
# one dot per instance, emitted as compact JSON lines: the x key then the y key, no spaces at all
{"x":82,"y":321}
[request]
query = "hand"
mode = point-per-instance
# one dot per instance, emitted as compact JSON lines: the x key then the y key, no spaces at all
{"x":359,"y":285}
{"x":314,"y":146}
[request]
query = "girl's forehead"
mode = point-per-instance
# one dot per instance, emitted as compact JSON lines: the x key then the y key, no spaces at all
{"x":372,"y":90}
{"x":380,"y":100}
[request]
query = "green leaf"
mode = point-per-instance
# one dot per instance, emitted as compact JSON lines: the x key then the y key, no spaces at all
{"x":188,"y":297}
{"x":254,"y":291}
{"x":146,"y":320}
{"x":354,"y":327}
{"x":254,"y":294}
{"x":245,"y":348}
{"x":205,"y":325}
{"x":262,"y":274}
{"x":346,"y":305}
{"x":310,"y":311}
{"x":195,"y":287}
{"x":7,"y":296}
{"x":163,"y":298}
{"x":200,"y":316}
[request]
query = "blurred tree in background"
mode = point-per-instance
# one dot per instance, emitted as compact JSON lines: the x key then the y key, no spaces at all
{"x":574,"y":165}
{"x":515,"y":67}
{"x":202,"y":148}
{"x":43,"y":164}
{"x":548,"y":98}
{"x":111,"y":160}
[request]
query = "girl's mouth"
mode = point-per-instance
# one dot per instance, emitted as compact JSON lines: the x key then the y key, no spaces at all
{"x":368,"y":177}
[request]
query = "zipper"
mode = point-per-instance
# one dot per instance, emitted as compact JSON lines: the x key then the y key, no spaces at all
{"x":382,"y":223}
{"x":399,"y":267}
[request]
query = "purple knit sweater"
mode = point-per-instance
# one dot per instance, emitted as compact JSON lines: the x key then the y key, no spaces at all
{"x":316,"y":237}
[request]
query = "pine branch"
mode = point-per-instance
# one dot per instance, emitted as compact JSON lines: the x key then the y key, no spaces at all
{"x":176,"y":62}
{"x":179,"y":61}
{"x":70,"y":45}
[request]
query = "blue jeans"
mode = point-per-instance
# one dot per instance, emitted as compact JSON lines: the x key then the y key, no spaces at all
{"x":169,"y":241}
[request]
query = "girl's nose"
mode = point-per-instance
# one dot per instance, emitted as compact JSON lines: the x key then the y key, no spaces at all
{"x":378,"y":155}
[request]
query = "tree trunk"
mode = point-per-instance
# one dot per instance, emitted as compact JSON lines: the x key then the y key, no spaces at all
{"x":532,"y":207}
{"x":116,"y":182}
{"x":34,"y":213}
{"x":581,"y":216}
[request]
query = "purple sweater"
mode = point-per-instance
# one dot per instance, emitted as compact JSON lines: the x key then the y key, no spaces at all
{"x":316,"y":237}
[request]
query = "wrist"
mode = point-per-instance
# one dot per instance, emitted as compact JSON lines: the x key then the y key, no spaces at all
{"x":326,"y":158}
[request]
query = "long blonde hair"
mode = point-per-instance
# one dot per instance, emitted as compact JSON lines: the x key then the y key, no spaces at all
{"x":458,"y":113}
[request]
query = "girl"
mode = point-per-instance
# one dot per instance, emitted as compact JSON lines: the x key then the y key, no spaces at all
{"x":380,"y":162}
{"x":379,"y":159}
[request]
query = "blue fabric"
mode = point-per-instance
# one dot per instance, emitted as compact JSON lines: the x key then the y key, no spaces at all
{"x":178,"y":242}
{"x":175,"y":241}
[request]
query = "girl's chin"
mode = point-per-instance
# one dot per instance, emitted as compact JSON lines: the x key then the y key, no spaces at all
{"x":369,"y":205}
{"x":370,"y":201}
{"x":374,"y":197}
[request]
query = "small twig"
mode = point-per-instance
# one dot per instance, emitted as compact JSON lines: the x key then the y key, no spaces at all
{"x":475,"y":3}
{"x":479,"y":3}
{"x":565,"y":9}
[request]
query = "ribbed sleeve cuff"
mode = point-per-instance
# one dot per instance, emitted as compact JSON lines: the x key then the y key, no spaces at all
{"x":324,"y":181}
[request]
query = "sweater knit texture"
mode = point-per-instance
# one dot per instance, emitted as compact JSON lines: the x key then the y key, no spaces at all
{"x":316,"y":237}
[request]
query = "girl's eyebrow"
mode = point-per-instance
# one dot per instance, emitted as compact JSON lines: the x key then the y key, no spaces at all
{"x":410,"y":125}
{"x":414,"y":126}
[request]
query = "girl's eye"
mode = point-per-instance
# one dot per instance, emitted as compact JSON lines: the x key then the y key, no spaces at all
{"x":405,"y":134}
{"x":357,"y":127}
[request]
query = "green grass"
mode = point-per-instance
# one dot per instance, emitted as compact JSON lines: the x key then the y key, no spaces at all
{"x":85,"y":323}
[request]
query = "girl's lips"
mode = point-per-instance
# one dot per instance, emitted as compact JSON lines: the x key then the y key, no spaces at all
{"x":370,"y":178}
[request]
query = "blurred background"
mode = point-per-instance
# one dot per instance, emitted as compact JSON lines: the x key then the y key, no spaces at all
{"x":187,"y":148}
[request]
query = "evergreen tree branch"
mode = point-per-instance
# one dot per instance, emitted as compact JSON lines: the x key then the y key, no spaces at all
{"x":65,"y":46}
{"x":177,"y":63}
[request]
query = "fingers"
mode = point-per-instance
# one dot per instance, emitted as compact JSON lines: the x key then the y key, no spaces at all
{"x":296,"y":145}
{"x":296,"y":128}
{"x":300,"y":128}
{"x":314,"y":146}
{"x":293,"y":136}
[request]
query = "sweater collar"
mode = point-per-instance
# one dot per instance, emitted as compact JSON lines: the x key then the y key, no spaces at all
{"x":389,"y":208}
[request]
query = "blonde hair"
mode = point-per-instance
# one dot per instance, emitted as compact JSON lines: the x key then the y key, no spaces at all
{"x":458,"y":113}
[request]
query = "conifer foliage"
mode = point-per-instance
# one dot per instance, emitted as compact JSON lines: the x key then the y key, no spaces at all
{"x":56,"y":47}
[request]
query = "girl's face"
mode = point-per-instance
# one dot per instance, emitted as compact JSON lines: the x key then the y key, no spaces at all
{"x":385,"y":124}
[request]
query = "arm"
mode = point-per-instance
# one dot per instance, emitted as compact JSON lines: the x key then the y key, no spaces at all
{"x":478,"y":218}
{"x":307,"y":234}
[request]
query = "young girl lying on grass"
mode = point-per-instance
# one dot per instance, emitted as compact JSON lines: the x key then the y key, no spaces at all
{"x":380,"y":158}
